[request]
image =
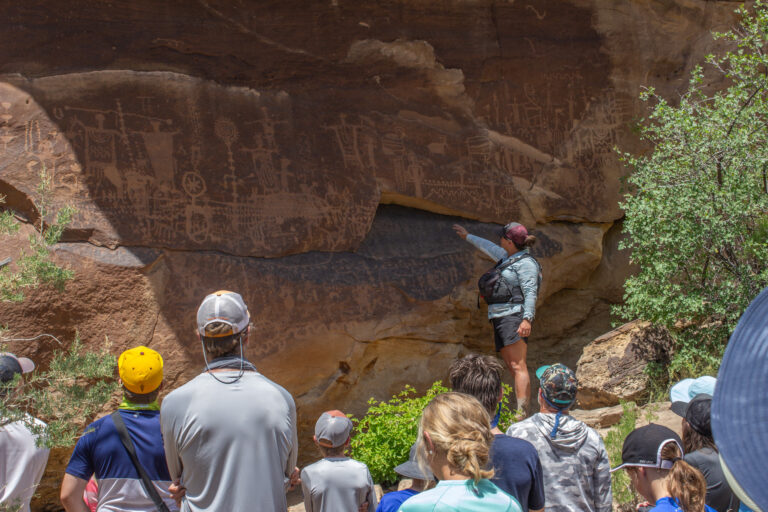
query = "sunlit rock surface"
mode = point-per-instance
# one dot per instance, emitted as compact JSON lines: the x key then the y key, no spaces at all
{"x":314,"y":156}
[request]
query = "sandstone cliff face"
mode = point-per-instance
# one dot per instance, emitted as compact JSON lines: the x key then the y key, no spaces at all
{"x":314,"y":156}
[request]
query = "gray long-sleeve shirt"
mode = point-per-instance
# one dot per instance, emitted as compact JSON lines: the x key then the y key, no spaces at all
{"x":337,"y":484}
{"x":577,"y":472}
{"x":524,"y":273}
{"x":233,"y":446}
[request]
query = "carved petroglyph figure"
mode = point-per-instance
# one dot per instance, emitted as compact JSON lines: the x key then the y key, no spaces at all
{"x":226,"y":130}
{"x":5,"y":131}
{"x":356,"y":142}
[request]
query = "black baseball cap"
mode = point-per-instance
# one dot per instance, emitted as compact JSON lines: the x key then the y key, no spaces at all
{"x":697,"y":412}
{"x":643,"y":446}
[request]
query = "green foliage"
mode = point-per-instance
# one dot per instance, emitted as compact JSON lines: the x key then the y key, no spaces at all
{"x":697,"y":214}
{"x":388,"y":429}
{"x":34,"y":267}
{"x":508,"y":415}
{"x":658,"y":378}
{"x":75,"y":386}
{"x":623,"y":494}
{"x":77,"y":383}
{"x":8,"y":224}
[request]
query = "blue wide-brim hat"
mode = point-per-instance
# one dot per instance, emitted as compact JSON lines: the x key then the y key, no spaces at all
{"x":740,"y":404}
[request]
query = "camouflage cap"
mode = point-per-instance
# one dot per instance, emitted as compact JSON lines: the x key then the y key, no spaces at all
{"x":558,"y":384}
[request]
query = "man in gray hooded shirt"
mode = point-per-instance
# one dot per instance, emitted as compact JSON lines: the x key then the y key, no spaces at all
{"x":573,"y":457}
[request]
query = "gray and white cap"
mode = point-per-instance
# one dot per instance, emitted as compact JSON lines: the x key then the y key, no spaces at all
{"x":225,"y":307}
{"x":10,"y":365}
{"x":332,"y":429}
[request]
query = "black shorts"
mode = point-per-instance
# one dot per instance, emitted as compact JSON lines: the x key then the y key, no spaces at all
{"x":505,"y":330}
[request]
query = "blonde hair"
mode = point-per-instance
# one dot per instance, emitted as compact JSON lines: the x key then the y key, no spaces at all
{"x":459,"y":427}
{"x":217,"y":345}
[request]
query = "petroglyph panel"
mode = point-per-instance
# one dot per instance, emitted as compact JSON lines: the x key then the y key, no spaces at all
{"x":167,"y":161}
{"x":448,"y":168}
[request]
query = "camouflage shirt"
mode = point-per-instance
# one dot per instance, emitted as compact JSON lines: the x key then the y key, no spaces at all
{"x":575,"y":464}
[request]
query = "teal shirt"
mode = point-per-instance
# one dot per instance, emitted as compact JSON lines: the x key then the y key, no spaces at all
{"x":464,"y":496}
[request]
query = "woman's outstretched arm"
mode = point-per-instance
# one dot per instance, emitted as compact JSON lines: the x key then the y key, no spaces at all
{"x":489,"y":248}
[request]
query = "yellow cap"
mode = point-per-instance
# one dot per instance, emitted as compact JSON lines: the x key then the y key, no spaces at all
{"x":141,"y":370}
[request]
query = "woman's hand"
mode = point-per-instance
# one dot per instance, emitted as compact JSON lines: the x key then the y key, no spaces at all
{"x":524,"y":330}
{"x":460,"y":231}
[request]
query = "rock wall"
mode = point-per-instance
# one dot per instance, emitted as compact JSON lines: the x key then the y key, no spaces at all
{"x":313,"y":157}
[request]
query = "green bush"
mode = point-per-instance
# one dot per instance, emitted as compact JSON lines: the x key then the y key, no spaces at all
{"x":387,"y":431}
{"x":623,"y":494}
{"x":78,"y":382}
{"x":34,"y":267}
{"x":73,"y":389}
{"x":696,"y":215}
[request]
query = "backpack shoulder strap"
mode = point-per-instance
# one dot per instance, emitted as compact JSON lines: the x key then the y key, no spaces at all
{"x":529,"y":255}
{"x":149,"y":487}
{"x":505,"y":263}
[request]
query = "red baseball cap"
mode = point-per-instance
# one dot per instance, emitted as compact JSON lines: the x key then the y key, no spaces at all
{"x":515,"y":232}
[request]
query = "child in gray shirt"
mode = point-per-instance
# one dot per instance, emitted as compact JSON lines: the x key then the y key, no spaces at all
{"x":336,"y":483}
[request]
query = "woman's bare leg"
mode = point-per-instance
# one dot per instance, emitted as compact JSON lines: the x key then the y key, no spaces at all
{"x":514,"y":356}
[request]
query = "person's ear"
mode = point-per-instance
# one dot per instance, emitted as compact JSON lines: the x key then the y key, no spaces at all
{"x":501,"y":395}
{"x":429,"y":443}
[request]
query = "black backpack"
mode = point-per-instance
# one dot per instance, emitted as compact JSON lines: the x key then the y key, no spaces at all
{"x":494,"y":289}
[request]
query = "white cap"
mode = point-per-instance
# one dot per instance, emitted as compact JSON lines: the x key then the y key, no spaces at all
{"x":225,"y":307}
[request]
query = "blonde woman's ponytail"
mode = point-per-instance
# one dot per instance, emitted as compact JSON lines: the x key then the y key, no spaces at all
{"x":466,"y":452}
{"x":458,"y":427}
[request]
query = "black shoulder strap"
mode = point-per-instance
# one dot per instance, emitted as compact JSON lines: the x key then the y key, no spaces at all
{"x":504,"y":263}
{"x":149,"y":487}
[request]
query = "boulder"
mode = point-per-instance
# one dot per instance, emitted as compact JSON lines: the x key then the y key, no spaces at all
{"x":603,"y":418}
{"x":611,"y":368}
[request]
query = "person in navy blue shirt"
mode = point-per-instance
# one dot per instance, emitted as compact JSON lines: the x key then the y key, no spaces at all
{"x":100,"y":452}
{"x":653,"y":458}
{"x":391,"y":501}
{"x":516,"y":462}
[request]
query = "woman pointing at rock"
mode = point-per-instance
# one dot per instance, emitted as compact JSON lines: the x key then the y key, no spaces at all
{"x":510,"y":288}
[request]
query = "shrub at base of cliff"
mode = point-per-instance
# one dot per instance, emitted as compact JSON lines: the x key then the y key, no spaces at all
{"x":66,"y":396}
{"x":387,"y":431}
{"x":697,"y":214}
{"x":77,"y":383}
